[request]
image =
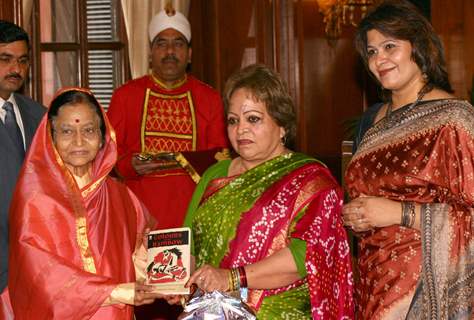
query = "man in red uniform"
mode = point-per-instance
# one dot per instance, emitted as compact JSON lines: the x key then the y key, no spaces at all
{"x":165,"y":111}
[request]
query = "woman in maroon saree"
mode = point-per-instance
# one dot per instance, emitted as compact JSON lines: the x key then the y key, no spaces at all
{"x":412,"y":178}
{"x":74,"y":231}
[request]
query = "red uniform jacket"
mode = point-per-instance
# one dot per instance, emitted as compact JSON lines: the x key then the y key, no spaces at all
{"x":149,"y":118}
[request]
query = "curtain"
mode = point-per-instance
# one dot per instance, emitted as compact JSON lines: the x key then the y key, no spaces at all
{"x":137,"y":16}
{"x":58,"y":24}
{"x":27,"y":7}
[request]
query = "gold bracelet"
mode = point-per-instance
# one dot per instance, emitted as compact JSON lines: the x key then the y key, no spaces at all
{"x":237,"y":279}
{"x":234,"y":281}
{"x":230,"y":279}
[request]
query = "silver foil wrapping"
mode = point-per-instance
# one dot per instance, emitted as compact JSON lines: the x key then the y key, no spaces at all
{"x":215,"y":306}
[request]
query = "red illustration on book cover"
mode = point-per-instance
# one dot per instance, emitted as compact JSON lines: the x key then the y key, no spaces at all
{"x":168,"y":265}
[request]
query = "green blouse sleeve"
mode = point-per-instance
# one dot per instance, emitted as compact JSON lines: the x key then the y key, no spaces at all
{"x":217,"y":170}
{"x":298,"y":247}
{"x":298,"y":250}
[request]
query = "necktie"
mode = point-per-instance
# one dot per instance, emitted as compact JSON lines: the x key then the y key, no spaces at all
{"x":13,"y":128}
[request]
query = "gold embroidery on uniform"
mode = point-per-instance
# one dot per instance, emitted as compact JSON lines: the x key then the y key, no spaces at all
{"x":193,"y":117}
{"x":173,"y":86}
{"x":144,"y":115}
{"x":170,"y":135}
{"x":144,"y":133}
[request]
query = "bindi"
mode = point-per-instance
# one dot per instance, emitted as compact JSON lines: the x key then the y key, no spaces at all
{"x":76,"y":120}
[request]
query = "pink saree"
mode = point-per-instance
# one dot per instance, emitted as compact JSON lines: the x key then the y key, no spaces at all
{"x":242,"y":220}
{"x":71,"y":247}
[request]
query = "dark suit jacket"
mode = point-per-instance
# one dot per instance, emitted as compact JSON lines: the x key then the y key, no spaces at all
{"x":10,"y":164}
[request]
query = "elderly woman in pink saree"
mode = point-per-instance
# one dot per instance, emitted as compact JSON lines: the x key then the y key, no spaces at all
{"x":76,"y":233}
{"x":411,"y":179}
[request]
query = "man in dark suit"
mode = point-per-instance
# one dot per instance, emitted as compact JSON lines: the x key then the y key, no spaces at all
{"x":19,"y":117}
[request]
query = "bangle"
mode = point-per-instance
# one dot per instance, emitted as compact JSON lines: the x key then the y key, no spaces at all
{"x":411,"y":223}
{"x":236,"y":279}
{"x":404,"y":215}
{"x":231,"y":282}
{"x":408,"y":214}
{"x":234,"y":283}
{"x":242,"y":277}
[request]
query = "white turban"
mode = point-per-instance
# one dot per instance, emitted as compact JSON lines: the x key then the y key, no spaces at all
{"x":163,"y":21}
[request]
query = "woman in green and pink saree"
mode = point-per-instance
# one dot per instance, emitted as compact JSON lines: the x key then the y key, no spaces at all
{"x":411,"y":179}
{"x":269,"y":220}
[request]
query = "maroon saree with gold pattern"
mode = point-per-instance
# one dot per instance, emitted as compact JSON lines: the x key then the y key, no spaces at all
{"x":424,"y":154}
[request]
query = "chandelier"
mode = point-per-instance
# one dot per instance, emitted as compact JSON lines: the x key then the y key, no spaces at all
{"x":343,"y":12}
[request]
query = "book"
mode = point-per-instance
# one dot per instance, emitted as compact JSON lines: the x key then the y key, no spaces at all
{"x":169,"y":260}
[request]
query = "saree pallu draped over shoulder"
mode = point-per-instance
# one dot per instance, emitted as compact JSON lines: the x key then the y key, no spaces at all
{"x":71,"y":247}
{"x":425,"y":155}
{"x":242,"y":220}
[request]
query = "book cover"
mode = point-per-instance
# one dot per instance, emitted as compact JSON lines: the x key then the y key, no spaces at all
{"x":169,"y":260}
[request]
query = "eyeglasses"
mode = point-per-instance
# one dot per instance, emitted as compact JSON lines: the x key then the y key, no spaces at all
{"x":8,"y":60}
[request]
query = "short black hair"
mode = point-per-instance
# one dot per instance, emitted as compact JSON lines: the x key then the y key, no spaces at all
{"x":10,"y":32}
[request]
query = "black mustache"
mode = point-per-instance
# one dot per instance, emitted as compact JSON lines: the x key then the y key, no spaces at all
{"x":15,"y":76}
{"x":170,"y":58}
